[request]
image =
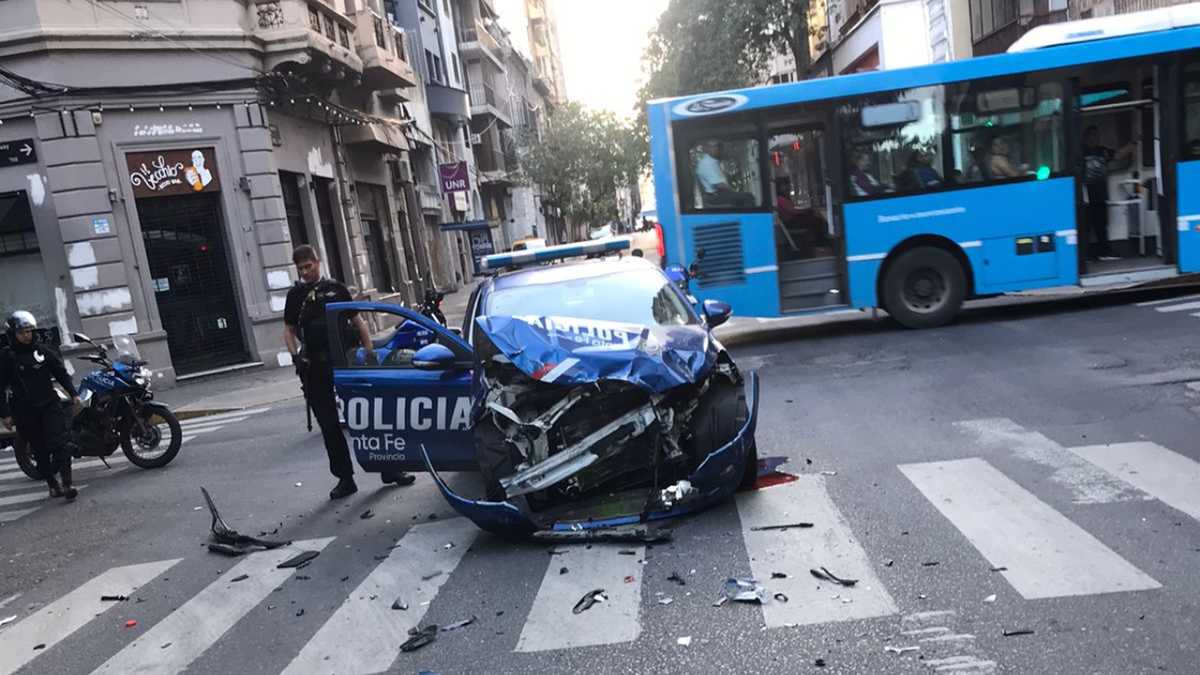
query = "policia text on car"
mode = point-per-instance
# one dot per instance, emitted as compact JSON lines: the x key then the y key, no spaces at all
{"x":305,"y":334}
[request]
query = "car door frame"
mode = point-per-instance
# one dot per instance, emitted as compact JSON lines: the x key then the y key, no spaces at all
{"x":455,"y":449}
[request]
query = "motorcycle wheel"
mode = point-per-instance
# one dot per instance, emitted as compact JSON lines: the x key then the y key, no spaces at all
{"x":24,"y":459}
{"x":157,"y":442}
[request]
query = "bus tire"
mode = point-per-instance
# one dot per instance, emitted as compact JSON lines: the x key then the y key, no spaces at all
{"x":924,"y":287}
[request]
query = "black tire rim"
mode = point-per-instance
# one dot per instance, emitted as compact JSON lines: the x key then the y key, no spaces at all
{"x":147,"y":439}
{"x":925,"y":291}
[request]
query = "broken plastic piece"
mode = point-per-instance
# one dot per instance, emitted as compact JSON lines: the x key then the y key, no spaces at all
{"x":239,"y":578}
{"x":367,"y":515}
{"x":665,"y":601}
{"x":457,"y":624}
{"x":746,"y":590}
{"x":585,"y":603}
{"x":8,"y":620}
{"x":828,"y":473}
{"x":778,"y":575}
{"x":614,"y":535}
{"x":676,"y":493}
{"x":780,"y":597}
{"x":820,"y":663}
{"x":427,"y":577}
{"x":990,"y":598}
{"x":39,"y":647}
{"x":720,"y":601}
{"x":563,"y":571}
{"x":113,"y":598}
{"x":630,"y":580}
{"x":419,"y":638}
{"x":626,"y":552}
{"x":130,"y":623}
{"x":1018,"y":631}
{"x":297,"y":560}
{"x":999,"y":569}
{"x":931,"y":563}
{"x":677,"y":579}
{"x":900,"y":650}
{"x":788,"y":526}
{"x":684,"y":641}
{"x":300,"y":612}
{"x":226,"y":549}
{"x":825,"y":575}
{"x":225,"y":535}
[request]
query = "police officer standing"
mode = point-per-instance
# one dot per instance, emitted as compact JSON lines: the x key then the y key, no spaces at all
{"x":305,"y":334}
{"x":29,"y":371}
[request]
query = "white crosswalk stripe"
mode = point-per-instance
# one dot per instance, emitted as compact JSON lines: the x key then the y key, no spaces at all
{"x":201,"y":621}
{"x":829,"y":543}
{"x":1047,"y":555}
{"x":1151,"y":303}
{"x":1183,"y":307}
{"x":60,"y":619}
{"x":1167,"y":476}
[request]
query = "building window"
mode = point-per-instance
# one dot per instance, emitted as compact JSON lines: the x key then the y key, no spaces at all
{"x":343,"y":36}
{"x":17,"y":234}
{"x":722,"y":171}
{"x":330,"y":29}
{"x":314,"y":18}
{"x":1191,"y":100}
{"x":457,"y":72}
{"x":293,"y":207}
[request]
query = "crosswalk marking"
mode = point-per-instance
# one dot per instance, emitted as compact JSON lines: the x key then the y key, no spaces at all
{"x":77,"y":465}
{"x":9,"y":516}
{"x":71,"y":612}
{"x":38,"y":495}
{"x":1086,"y":483}
{"x":1165,"y":475}
{"x":1185,"y":307}
{"x":201,"y":621}
{"x":364,"y":635}
{"x":1151,"y":303}
{"x":829,"y":543}
{"x":552,"y":624}
{"x":1047,"y":555}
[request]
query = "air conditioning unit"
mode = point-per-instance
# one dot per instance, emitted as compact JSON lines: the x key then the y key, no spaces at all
{"x":476,"y":139}
{"x":404,"y":170}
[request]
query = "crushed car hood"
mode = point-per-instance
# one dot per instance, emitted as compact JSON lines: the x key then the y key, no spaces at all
{"x":577,"y":351}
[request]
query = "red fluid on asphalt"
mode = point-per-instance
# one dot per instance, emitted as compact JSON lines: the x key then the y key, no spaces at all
{"x":769,"y":474}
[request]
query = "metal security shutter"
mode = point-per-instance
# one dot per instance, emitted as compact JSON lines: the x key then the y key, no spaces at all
{"x":192,"y":280}
{"x":723,"y":263}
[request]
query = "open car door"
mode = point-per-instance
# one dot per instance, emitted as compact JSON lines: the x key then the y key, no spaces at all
{"x":416,"y":392}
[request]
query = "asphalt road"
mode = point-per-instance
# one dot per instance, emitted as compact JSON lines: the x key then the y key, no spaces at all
{"x":1056,"y":440}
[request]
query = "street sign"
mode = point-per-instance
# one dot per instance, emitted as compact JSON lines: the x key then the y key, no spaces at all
{"x":16,"y":152}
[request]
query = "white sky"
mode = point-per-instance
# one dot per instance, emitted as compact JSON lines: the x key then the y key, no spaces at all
{"x":602,"y":43}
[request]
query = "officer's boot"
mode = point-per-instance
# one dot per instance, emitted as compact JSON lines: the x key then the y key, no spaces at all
{"x":68,"y":488}
{"x":344,"y":488}
{"x":55,"y":489}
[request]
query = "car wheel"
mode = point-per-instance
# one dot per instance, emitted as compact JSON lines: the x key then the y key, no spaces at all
{"x":750,"y":473}
{"x":722,"y":414}
{"x":924,"y":287}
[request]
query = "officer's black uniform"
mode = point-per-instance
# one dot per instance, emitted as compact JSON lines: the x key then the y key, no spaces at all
{"x":305,"y":311}
{"x":29,"y":372}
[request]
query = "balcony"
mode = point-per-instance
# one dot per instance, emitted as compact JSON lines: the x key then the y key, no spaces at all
{"x":447,"y":103}
{"x":379,"y":137}
{"x":304,"y":33}
{"x":382,"y":50}
{"x":475,"y":40}
{"x":486,"y":101}
{"x":494,"y":160}
{"x":998,"y":41}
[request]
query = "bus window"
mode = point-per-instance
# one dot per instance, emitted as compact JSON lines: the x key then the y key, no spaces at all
{"x":1006,"y":132}
{"x":722,"y":168}
{"x":894,"y":143}
{"x":1191,"y":98}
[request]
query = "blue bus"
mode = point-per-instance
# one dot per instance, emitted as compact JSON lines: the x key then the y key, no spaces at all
{"x":1074,"y":159}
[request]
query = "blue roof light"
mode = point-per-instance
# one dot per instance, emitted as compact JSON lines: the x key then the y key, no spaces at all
{"x":504,"y":260}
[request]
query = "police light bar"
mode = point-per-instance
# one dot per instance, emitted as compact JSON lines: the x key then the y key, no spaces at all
{"x":560,"y":252}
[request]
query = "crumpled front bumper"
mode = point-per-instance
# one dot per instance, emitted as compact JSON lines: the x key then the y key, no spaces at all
{"x":716,"y":477}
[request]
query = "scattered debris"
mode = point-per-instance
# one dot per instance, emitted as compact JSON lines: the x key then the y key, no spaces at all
{"x":367,"y":515}
{"x":8,"y":620}
{"x":300,"y":612}
{"x":449,"y":546}
{"x":828,"y":473}
{"x":400,"y":605}
{"x":846,"y":601}
{"x":921,"y":596}
{"x":130,"y":623}
{"x":299,"y":484}
{"x":999,"y":569}
{"x":889,"y":562}
{"x":746,"y":590}
{"x":825,"y":575}
{"x":630,"y":580}
{"x":720,"y":601}
{"x":820,"y":663}
{"x":225,"y":535}
{"x":198,"y":508}
{"x":297,"y":560}
{"x":563,"y":570}
{"x":674,"y":494}
{"x":778,"y":575}
{"x":900,"y":650}
{"x":780,"y":597}
{"x":419,"y":638}
{"x":807,"y":460}
{"x":226,"y":549}
{"x":677,"y":579}
{"x":611,"y":535}
{"x":346,"y":578}
{"x":240,"y":578}
{"x":1018,"y":631}
{"x":457,"y":624}
{"x":381,"y":557}
{"x":165,"y":646}
{"x":931,"y":563}
{"x":990,"y":598}
{"x":113,"y":598}
{"x":435,"y":575}
{"x":626,"y":551}
{"x":788,"y":526}
{"x":39,"y":647}
{"x":665,"y":601}
{"x":585,"y":603}
{"x":684,"y":641}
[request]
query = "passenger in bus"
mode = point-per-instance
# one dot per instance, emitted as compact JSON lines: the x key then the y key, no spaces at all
{"x":998,"y":164}
{"x":813,"y":229}
{"x":919,"y":173}
{"x":862,"y":183}
{"x":714,"y":186}
{"x":979,"y":173}
{"x":1096,"y":159}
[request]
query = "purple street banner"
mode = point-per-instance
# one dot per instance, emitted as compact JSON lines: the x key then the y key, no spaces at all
{"x":454,"y":177}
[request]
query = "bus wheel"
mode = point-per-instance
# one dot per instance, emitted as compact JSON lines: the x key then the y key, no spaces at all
{"x":924,"y":287}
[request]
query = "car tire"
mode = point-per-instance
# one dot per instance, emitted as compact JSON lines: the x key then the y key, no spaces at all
{"x":722,"y":414}
{"x":924,"y":287}
{"x":750,"y":473}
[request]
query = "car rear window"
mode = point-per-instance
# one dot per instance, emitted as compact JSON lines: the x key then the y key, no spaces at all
{"x":642,"y":297}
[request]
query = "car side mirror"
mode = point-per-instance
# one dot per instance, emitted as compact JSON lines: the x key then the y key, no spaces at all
{"x":433,"y":357}
{"x":716,"y":312}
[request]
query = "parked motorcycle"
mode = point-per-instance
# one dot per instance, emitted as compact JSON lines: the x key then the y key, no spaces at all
{"x":118,"y":411}
{"x":682,"y":276}
{"x":431,"y":306}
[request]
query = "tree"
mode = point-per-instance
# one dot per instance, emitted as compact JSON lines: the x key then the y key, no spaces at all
{"x":579,"y":158}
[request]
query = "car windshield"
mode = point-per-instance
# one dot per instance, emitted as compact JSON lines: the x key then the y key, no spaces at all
{"x":641,"y":297}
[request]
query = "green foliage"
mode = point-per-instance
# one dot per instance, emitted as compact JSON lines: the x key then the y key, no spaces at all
{"x":579,"y":158}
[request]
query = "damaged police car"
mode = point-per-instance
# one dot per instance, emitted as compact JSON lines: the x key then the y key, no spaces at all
{"x":587,"y":394}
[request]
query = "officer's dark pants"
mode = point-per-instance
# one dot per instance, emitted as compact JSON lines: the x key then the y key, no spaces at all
{"x":45,"y":427}
{"x":323,"y":400}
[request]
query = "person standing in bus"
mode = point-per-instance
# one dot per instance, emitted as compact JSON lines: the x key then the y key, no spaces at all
{"x":1096,"y":159}
{"x":713,"y":184}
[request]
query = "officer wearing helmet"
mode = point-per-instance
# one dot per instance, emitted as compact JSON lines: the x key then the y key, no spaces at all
{"x":28,"y":373}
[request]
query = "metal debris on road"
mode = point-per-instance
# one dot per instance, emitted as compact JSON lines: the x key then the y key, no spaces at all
{"x":720,"y":601}
{"x":931,"y":563}
{"x":626,"y":551}
{"x":427,"y":577}
{"x":226,"y":535}
{"x":607,"y":535}
{"x":1018,"y":631}
{"x":585,"y":603}
{"x":346,"y":578}
{"x":780,"y":597}
{"x":400,"y":605}
{"x":113,"y":598}
{"x":889,"y":562}
{"x":39,"y":647}
{"x":563,"y":571}
{"x":684,"y":641}
{"x":165,"y":645}
{"x":828,"y":473}
{"x":990,"y":598}
{"x":820,"y":663}
{"x":746,"y":590}
{"x":367,"y":515}
{"x":677,"y":579}
{"x":240,"y":578}
{"x":788,"y":526}
{"x":825,"y":575}
{"x":665,"y":601}
{"x":226,"y":550}
{"x":419,"y":638}
{"x":778,"y":575}
{"x":449,"y":546}
{"x":297,"y":560}
{"x":457,"y":624}
{"x":8,"y":620}
{"x":999,"y":569}
{"x":900,"y":650}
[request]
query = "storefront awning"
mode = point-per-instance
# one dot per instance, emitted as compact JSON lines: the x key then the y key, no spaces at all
{"x":470,"y":225}
{"x":385,"y":137}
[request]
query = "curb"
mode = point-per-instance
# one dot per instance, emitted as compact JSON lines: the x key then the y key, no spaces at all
{"x":183,"y":415}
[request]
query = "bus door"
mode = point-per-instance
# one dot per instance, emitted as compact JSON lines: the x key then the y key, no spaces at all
{"x":1188,"y":172}
{"x":805,"y":218}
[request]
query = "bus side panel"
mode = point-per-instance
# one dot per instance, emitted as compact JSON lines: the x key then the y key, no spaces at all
{"x":758,"y":293}
{"x":664,"y":182}
{"x":1017,"y":236}
{"x":1189,"y":216}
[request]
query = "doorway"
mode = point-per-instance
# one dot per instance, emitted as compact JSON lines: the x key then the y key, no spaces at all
{"x":193,"y":280}
{"x":806,"y":234}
